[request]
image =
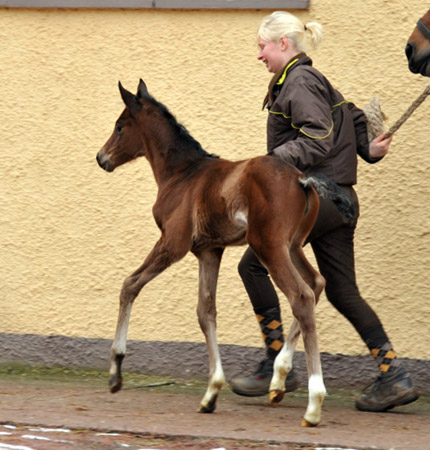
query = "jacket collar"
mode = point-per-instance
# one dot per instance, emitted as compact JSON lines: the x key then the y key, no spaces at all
{"x":280,"y":77}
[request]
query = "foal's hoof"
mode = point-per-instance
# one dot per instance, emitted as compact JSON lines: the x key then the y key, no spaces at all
{"x":115,"y":384}
{"x":276,"y":396}
{"x":209,"y":408}
{"x":307,"y":424}
{"x":205,"y":410}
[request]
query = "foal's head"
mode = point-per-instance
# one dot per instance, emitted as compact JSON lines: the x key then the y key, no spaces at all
{"x":147,"y":128}
{"x":125,"y":143}
{"x":418,"y":47}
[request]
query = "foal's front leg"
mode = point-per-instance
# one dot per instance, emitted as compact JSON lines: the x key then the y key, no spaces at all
{"x":161,"y":257}
{"x":209,"y":262}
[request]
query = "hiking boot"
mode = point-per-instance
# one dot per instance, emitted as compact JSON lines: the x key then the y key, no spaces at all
{"x":258,"y":383}
{"x":387,"y":391}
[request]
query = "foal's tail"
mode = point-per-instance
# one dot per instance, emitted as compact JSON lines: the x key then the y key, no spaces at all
{"x":330,"y":190}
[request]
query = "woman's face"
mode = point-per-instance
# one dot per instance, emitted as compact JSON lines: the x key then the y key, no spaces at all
{"x":272,"y":54}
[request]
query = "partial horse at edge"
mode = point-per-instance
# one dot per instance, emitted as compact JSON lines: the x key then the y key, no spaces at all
{"x":418,"y":47}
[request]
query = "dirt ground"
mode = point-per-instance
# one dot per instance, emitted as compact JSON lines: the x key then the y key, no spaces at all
{"x":60,"y":409}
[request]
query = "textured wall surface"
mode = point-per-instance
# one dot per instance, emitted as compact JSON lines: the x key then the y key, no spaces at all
{"x":70,"y":232}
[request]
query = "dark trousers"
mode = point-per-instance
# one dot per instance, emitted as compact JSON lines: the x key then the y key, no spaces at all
{"x":332,"y":242}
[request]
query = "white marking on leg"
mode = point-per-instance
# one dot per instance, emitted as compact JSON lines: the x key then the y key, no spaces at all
{"x":281,"y":367}
{"x":217,"y":378}
{"x":215,"y":384}
{"x":119,"y":345}
{"x":120,"y":342}
{"x":317,"y":393}
{"x":284,"y":360}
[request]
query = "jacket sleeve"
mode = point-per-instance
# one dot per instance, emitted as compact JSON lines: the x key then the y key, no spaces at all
{"x":311,"y":117}
{"x":360,"y":125}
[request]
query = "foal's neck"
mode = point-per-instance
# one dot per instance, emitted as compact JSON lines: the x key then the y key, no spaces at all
{"x":171,"y":157}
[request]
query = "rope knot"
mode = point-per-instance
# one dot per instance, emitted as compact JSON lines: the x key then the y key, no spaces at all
{"x":375,"y":117}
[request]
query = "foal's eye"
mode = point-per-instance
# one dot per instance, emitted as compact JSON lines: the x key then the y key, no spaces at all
{"x":119,"y":127}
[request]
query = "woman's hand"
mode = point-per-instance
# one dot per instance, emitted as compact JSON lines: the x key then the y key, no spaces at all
{"x":379,"y":147}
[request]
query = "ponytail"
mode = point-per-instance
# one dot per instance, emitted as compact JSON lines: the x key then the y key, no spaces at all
{"x":315,"y":34}
{"x":282,"y":23}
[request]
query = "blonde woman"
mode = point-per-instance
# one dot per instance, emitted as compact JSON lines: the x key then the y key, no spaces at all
{"x":312,"y":127}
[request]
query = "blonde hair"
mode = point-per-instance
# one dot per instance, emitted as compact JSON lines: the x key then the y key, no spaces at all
{"x":282,"y":23}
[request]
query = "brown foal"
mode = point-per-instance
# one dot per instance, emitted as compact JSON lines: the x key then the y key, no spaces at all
{"x":205,"y":204}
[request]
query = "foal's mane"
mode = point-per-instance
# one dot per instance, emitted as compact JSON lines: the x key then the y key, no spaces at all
{"x":182,"y":133}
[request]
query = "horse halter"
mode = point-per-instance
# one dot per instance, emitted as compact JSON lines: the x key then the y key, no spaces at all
{"x":423,"y":28}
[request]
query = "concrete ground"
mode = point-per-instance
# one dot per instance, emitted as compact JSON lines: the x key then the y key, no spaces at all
{"x":57,"y":408}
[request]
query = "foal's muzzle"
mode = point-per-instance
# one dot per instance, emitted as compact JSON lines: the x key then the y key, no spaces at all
{"x":104,"y":162}
{"x":418,"y":63}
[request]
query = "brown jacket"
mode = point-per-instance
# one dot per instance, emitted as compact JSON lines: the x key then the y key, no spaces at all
{"x":311,"y":126}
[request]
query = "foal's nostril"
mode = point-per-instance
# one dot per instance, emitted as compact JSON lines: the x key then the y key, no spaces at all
{"x":409,"y":50}
{"x":99,"y":162}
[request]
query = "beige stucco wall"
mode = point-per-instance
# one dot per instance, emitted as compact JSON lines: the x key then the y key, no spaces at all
{"x":70,"y":232}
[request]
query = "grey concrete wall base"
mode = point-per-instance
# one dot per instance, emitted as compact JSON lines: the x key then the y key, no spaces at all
{"x":188,"y":360}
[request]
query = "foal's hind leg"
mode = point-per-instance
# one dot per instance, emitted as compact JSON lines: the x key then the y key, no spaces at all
{"x":284,"y":360}
{"x":316,"y":386}
{"x":284,"y":363}
{"x":209,"y":262}
{"x":303,"y":307}
{"x":157,"y":261}
{"x":302,"y":301}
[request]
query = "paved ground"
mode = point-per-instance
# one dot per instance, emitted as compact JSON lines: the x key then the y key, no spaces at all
{"x":56,"y":409}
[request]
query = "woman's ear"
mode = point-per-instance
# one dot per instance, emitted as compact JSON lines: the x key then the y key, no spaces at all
{"x":285,"y":43}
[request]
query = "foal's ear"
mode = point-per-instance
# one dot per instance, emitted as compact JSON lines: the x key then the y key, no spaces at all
{"x":130,"y":100}
{"x":142,"y":90}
